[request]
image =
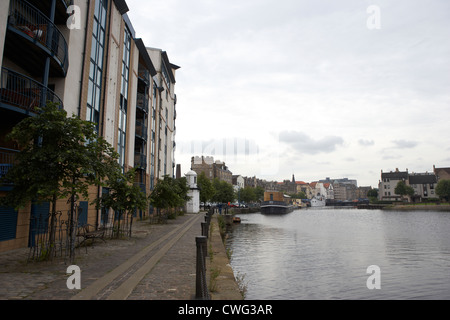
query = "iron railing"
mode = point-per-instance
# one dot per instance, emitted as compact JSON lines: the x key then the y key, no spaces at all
{"x":7,"y":157}
{"x":141,"y":130}
{"x":24,"y":92}
{"x":140,"y":160}
{"x":33,"y":24}
{"x":142,"y":102}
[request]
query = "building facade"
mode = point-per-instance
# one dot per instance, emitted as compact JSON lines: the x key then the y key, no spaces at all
{"x":87,"y":59}
{"x":212,"y":169}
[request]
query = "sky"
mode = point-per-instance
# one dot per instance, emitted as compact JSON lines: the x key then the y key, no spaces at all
{"x":324,"y":88}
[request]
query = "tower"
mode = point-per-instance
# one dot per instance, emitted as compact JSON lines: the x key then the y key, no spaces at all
{"x":193,"y":205}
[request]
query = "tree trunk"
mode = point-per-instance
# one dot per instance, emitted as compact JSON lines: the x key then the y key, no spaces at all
{"x":52,"y":232}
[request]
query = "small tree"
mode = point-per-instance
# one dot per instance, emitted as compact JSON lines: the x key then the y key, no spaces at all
{"x":247,"y":194}
{"x":206,"y":187}
{"x":123,"y":196}
{"x":60,"y":158}
{"x":224,"y":191}
{"x":169,"y":193}
{"x":402,"y":189}
{"x":443,"y":189}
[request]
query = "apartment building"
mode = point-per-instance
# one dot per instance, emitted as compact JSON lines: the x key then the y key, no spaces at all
{"x":212,"y":169}
{"x":84,"y":55}
{"x":388,"y":182}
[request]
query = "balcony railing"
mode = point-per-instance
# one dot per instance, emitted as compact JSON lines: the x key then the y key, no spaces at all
{"x":140,"y":160}
{"x":141,"y":130}
{"x":144,"y":75}
{"x":142,"y":102}
{"x":7,"y":157}
{"x":23,"y":92}
{"x":33,"y":24}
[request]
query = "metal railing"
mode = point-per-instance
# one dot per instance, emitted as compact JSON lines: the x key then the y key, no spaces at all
{"x":142,"y":101}
{"x":140,"y":160}
{"x":32,"y":23}
{"x":7,"y":157}
{"x":24,"y":92}
{"x":201,"y":285}
{"x":141,"y":130}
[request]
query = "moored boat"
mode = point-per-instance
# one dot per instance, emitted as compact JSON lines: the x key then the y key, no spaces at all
{"x":276,"y":203}
{"x":318,"y":201}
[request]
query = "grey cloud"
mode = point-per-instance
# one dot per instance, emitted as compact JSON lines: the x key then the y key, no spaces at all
{"x":366,"y":143}
{"x":404,"y":144}
{"x":303,"y":143}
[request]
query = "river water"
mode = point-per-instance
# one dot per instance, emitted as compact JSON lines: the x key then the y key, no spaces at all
{"x":325,"y":253}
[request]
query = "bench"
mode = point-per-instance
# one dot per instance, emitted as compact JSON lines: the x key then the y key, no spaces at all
{"x":88,"y":231}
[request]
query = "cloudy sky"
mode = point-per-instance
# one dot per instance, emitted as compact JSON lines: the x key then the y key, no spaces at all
{"x":323,"y":88}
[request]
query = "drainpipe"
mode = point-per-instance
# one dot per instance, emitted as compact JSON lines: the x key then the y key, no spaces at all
{"x":49,"y":43}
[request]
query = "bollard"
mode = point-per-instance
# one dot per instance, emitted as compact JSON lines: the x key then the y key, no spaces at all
{"x":201,"y":288}
{"x":204,"y":229}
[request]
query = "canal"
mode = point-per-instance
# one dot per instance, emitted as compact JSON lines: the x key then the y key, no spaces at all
{"x":325,"y":253}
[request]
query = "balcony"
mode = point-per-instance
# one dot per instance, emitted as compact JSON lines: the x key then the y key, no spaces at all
{"x":141,"y":130}
{"x":142,"y":102}
{"x":19,"y":91}
{"x":140,"y":160}
{"x":32,"y":37}
{"x":7,"y":157}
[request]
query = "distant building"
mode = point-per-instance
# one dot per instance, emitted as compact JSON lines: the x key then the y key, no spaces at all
{"x":388,"y":182}
{"x":212,"y":169}
{"x":441,"y":173}
{"x":424,"y":185}
{"x":238,"y":182}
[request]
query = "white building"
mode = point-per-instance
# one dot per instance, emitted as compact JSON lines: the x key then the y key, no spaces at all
{"x":193,"y":205}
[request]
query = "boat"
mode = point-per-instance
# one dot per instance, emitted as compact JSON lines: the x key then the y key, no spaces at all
{"x":236,"y":220}
{"x":276,"y":207}
{"x":276,"y":203}
{"x":318,"y":201}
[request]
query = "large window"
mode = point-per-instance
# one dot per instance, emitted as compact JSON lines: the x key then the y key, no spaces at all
{"x":96,"y":64}
{"x":124,"y":98}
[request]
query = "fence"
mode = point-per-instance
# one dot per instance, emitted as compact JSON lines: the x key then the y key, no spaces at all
{"x":61,"y":236}
{"x":201,"y":286}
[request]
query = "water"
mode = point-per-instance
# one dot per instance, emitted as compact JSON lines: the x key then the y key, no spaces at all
{"x":325,"y":253}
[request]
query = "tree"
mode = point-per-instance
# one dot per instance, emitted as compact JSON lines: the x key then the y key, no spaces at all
{"x":123,"y":196}
{"x":402,"y":189}
{"x":60,"y":158}
{"x":169,"y":193}
{"x":224,"y":191}
{"x":259,"y":192}
{"x":443,"y":189}
{"x":206,"y":187}
{"x":247,"y":194}
{"x":373,"y":193}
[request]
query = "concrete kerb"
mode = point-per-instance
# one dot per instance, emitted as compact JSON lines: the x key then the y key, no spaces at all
{"x":221,"y":280}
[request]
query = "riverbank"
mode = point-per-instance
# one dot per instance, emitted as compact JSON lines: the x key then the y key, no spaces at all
{"x":221,"y":281}
{"x":419,"y":207}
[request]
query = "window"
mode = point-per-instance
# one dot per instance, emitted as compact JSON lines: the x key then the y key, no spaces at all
{"x":96,"y":64}
{"x":166,"y":76}
{"x":121,"y":144}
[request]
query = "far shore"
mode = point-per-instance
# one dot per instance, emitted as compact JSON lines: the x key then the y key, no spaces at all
{"x":419,"y":207}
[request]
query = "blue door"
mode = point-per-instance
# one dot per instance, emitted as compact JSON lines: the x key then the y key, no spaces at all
{"x":8,"y":223}
{"x":40,"y":214}
{"x":83,"y":214}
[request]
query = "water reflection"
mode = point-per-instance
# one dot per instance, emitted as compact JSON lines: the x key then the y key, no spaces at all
{"x":324,"y":254}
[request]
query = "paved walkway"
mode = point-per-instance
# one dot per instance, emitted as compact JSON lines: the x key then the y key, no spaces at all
{"x":157,"y":263}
